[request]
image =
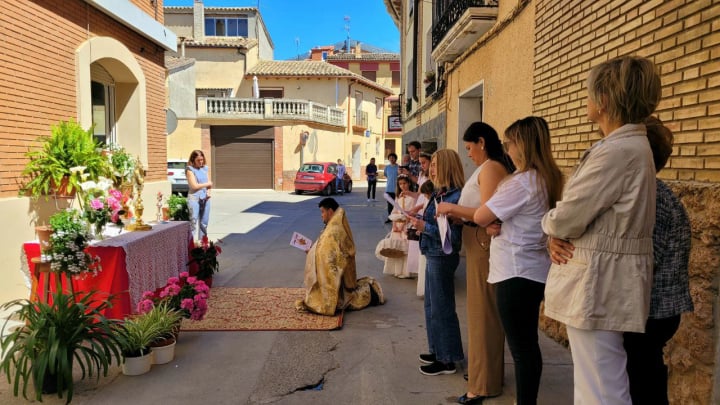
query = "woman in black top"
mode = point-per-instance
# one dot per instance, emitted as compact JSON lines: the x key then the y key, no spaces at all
{"x":371,"y":172}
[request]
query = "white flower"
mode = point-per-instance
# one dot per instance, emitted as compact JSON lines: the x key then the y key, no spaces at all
{"x":78,"y":169}
{"x":88,"y":185}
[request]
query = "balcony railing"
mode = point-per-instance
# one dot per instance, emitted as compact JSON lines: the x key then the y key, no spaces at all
{"x":361,"y":119}
{"x":269,"y":109}
{"x":460,"y":25}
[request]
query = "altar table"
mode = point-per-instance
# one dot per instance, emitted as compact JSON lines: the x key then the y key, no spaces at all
{"x":132,"y":263}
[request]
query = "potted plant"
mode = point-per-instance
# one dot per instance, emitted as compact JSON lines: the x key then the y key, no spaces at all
{"x":136,"y":334}
{"x":69,"y":329}
{"x":50,"y":169}
{"x":429,"y":76}
{"x":178,"y":208}
{"x":167,"y":320}
{"x":203,"y":260}
{"x":122,"y":165}
{"x":68,"y":242}
{"x":185,"y":293}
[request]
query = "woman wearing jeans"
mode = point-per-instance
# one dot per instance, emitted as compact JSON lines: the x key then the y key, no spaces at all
{"x":199,"y":192}
{"x":443,"y":328}
{"x":519,"y":262}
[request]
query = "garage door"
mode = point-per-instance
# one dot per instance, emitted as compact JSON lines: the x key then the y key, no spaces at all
{"x":240,"y":159}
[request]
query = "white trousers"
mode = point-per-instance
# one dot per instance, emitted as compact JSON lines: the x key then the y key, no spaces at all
{"x":599,"y":360}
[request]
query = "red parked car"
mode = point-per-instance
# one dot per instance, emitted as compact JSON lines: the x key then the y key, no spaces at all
{"x":319,"y":176}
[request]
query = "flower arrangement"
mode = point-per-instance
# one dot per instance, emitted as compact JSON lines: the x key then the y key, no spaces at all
{"x":102,"y":203}
{"x":205,"y":256}
{"x":184,"y":293}
{"x":68,"y":243}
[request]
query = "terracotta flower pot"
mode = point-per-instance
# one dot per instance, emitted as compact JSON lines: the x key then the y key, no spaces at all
{"x":43,"y":233}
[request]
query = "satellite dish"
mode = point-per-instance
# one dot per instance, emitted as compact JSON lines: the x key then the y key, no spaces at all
{"x":170,"y":121}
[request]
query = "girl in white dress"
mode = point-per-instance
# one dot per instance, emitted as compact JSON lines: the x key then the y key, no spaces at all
{"x":401,"y":267}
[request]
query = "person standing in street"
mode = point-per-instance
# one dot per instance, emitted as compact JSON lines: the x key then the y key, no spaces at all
{"x":391,"y":175}
{"x":442,"y":252}
{"x":608,"y":213}
{"x":198,"y":198}
{"x":371,"y":173}
{"x":670,"y":294}
{"x":414,"y":166}
{"x":339,"y":180}
{"x":486,"y":338}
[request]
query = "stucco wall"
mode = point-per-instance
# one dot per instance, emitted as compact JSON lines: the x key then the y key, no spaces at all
{"x":504,"y":66}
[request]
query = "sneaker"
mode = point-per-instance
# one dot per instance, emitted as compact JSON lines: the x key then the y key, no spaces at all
{"x":369,"y":200}
{"x":438,"y":368}
{"x":427,"y":358}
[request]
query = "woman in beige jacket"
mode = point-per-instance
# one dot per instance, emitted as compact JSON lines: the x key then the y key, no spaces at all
{"x":607,"y":212}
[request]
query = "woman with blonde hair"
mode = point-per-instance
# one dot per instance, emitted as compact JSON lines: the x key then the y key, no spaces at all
{"x":608,"y":213}
{"x":519,"y":262}
{"x":443,"y":328}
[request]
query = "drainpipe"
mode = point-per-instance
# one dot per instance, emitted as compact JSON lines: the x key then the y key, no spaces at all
{"x":349,"y":127}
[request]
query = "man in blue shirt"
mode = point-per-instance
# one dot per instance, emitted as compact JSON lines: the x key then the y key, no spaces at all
{"x":391,"y":174}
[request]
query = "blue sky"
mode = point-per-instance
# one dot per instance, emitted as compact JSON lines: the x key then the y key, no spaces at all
{"x":317,"y":22}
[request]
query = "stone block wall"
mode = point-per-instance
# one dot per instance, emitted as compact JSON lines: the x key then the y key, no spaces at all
{"x":691,"y":355}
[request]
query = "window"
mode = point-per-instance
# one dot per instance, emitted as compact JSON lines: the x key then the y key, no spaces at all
{"x":226,"y":27}
{"x":378,"y":107}
{"x":369,"y":74}
{"x":395,"y":78}
{"x":271,"y":93}
{"x":324,"y":55}
{"x":103,"y":111}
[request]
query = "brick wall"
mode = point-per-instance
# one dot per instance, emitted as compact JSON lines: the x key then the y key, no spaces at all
{"x":38,"y":86}
{"x":683,"y":39}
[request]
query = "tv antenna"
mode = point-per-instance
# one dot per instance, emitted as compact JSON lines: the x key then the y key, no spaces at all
{"x":347,"y":30}
{"x":297,"y":48}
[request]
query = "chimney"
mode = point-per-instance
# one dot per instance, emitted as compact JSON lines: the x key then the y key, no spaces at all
{"x":198,"y":21}
{"x":357,"y":48}
{"x":182,"y":46}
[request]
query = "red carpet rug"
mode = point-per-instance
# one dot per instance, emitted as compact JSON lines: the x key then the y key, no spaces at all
{"x":259,"y":309}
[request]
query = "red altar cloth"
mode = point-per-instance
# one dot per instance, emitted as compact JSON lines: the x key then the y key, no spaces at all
{"x":113,"y":278}
{"x":131,"y":263}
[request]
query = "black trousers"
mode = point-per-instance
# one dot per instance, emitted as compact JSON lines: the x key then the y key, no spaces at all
{"x":518,"y":302}
{"x":645,"y":366}
{"x":371,"y":187}
{"x":390,"y":206}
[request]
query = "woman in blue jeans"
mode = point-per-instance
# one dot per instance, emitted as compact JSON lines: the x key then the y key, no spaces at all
{"x":443,"y":328}
{"x":199,"y":192}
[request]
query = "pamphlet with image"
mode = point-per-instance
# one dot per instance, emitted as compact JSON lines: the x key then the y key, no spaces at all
{"x":301,"y":241}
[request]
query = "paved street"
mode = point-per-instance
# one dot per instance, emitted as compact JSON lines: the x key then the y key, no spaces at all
{"x":371,"y":360}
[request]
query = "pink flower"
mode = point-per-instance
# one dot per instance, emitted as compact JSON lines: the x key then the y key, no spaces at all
{"x":184,"y":274}
{"x":187,"y":304}
{"x":116,"y":194}
{"x":145,"y":306}
{"x":173,"y":280}
{"x":148,"y":295}
{"x":96,"y":204}
{"x":191,"y":280}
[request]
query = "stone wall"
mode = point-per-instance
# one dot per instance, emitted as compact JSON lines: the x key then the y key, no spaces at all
{"x":691,"y":355}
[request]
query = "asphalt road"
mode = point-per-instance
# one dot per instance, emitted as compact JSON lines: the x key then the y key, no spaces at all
{"x":371,"y":360}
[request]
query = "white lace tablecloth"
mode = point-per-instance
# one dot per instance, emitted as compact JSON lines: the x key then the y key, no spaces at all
{"x":151,"y":257}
